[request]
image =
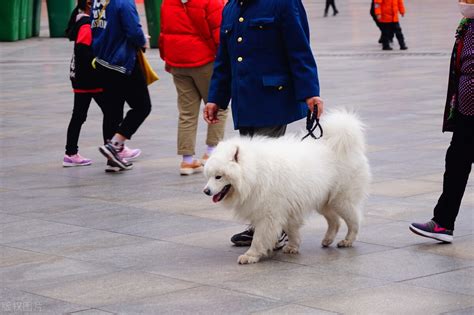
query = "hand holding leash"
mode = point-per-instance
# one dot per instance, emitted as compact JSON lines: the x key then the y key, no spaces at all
{"x":312,"y":119}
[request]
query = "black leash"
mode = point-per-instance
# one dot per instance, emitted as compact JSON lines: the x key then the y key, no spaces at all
{"x":312,"y":122}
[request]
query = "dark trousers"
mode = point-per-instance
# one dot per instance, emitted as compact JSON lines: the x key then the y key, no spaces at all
{"x":120,"y":88}
{"x":82,"y":102}
{"x":390,"y":29}
{"x":459,"y":159}
{"x":272,"y":132}
{"x":328,"y":4}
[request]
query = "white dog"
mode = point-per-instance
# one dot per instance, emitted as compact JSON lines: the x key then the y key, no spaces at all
{"x":273,"y":183}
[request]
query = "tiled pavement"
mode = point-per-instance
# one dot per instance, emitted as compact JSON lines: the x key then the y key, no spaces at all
{"x":148,"y":241}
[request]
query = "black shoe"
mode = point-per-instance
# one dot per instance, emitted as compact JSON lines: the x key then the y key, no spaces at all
{"x":111,"y":153}
{"x":325,"y":15}
{"x":335,"y":13}
{"x":387,"y":48}
{"x":380,"y":40}
{"x":281,"y":241}
{"x":112,"y":167}
{"x":403,"y":47}
{"x":243,"y":238}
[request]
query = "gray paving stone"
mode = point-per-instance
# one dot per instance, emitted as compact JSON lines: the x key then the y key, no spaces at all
{"x":18,"y":302}
{"x":200,"y":300}
{"x":458,"y":281}
{"x":291,"y":309}
{"x":392,"y":299}
{"x":300,"y":283}
{"x":31,"y":228}
{"x":119,"y":287}
{"x":397,"y":264}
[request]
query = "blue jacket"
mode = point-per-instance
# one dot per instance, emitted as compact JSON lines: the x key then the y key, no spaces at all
{"x":264,"y":63}
{"x":117,"y":34}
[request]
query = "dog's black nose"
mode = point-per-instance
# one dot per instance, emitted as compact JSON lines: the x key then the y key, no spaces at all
{"x":207,"y":191}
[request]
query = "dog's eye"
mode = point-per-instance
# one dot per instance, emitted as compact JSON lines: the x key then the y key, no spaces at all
{"x":218,"y":177}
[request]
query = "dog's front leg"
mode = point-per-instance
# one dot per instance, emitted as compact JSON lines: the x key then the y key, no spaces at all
{"x":264,"y":238}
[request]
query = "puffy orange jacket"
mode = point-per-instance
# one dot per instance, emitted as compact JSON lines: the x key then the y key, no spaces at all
{"x":387,"y":10}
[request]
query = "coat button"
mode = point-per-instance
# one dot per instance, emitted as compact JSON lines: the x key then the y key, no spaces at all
{"x":260,"y":26}
{"x":239,"y":39}
{"x":241,"y":19}
{"x":240,"y":59}
{"x":280,"y":88}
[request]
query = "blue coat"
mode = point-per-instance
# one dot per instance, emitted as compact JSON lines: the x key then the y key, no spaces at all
{"x":117,"y":34}
{"x":264,"y":63}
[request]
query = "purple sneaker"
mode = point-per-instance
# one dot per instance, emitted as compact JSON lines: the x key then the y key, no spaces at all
{"x":432,"y":230}
{"x":129,"y":154}
{"x":75,"y":160}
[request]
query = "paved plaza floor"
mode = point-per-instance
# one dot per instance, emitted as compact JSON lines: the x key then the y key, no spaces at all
{"x":78,"y":240}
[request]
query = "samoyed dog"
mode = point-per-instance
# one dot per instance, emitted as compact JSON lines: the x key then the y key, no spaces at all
{"x":274,"y":183}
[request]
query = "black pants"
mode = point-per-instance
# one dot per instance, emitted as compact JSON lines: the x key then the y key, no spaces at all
{"x":459,"y":159}
{"x":328,"y":4}
{"x":120,"y":88}
{"x":82,"y":102}
{"x":390,"y":29}
{"x":272,"y":132}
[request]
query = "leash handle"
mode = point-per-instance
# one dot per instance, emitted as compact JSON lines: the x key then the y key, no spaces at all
{"x":312,"y":122}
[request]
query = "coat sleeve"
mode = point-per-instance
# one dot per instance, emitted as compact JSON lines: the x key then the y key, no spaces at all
{"x":220,"y":87}
{"x":378,"y":7}
{"x":401,"y":7}
{"x":295,"y":33}
{"x":214,"y":18}
{"x":131,"y":23}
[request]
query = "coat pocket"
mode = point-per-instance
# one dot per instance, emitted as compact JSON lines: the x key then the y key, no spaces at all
{"x":276,"y":82}
{"x":265,"y":31}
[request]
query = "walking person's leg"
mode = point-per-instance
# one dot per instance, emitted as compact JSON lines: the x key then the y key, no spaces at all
{"x":79,"y":116}
{"x":245,"y":238}
{"x":215,"y":132}
{"x":386,"y":35}
{"x":459,"y":159}
{"x":398,"y":33}
{"x":326,"y":9}
{"x":189,"y":101}
{"x":333,"y":4}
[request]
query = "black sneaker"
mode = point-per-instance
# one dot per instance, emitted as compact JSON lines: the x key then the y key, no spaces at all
{"x":432,"y":230}
{"x":112,"y":154}
{"x":282,"y":240}
{"x":245,"y":239}
{"x":112,"y":167}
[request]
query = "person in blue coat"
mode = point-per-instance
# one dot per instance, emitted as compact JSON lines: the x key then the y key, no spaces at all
{"x":265,"y":65}
{"x":117,"y":37}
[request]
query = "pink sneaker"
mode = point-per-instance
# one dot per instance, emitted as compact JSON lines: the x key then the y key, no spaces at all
{"x":129,"y":154}
{"x":75,"y":160}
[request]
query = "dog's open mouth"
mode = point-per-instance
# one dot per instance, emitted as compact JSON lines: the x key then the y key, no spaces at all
{"x":220,"y":195}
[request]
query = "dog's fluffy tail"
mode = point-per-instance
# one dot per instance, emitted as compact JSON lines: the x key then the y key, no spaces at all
{"x":344,"y":132}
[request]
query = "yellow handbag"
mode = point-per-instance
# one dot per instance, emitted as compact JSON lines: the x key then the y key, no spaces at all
{"x":148,"y":72}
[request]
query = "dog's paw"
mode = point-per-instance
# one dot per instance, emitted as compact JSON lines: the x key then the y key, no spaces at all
{"x":289,"y":249}
{"x":246,"y":259}
{"x":344,"y":243}
{"x":327,"y":241}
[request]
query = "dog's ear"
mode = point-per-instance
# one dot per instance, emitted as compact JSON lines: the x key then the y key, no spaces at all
{"x":236,"y":155}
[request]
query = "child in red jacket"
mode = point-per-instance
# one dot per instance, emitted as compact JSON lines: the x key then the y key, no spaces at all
{"x":386,"y":12}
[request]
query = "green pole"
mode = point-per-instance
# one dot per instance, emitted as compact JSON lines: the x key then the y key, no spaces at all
{"x":10,"y":17}
{"x":29,"y":19}
{"x":23,"y":16}
{"x":153,"y":10}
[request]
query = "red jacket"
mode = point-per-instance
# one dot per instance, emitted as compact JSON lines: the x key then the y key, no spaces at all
{"x":387,"y":10}
{"x":190,"y":32}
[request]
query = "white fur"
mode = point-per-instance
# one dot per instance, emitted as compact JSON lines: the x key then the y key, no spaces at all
{"x":275,"y":183}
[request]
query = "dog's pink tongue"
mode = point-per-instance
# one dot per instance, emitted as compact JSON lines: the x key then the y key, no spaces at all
{"x":215,"y":198}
